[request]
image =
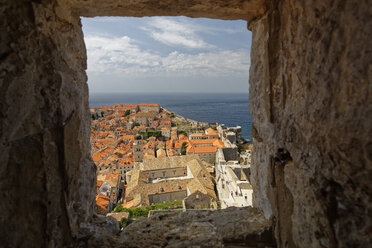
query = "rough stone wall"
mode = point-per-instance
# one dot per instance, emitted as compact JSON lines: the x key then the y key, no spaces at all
{"x":221,"y":9}
{"x":232,"y":227}
{"x":310,"y":98}
{"x":47,"y":177}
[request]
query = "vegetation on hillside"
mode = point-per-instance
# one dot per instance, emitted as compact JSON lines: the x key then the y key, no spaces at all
{"x":122,"y":222}
{"x":151,"y":133}
{"x":144,"y":211}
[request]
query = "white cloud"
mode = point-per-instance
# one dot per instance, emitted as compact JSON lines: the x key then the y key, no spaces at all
{"x":123,"y":56}
{"x":208,"y":64}
{"x":176,"y":33}
{"x":117,"y":54}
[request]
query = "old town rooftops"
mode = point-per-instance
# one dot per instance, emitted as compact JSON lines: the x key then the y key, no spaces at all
{"x":149,"y":104}
{"x":139,"y":187}
{"x":201,"y":149}
{"x":211,"y":131}
{"x":129,"y":106}
{"x":214,"y":142}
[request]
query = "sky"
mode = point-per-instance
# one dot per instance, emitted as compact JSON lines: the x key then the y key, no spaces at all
{"x":166,"y":54}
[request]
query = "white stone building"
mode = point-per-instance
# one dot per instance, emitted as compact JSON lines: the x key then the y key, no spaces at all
{"x":146,"y":107}
{"x":232,"y":179}
{"x":166,"y":132}
{"x":145,"y":118}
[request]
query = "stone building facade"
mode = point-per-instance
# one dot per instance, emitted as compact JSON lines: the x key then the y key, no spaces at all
{"x":166,"y":132}
{"x":167,"y":179}
{"x":137,"y":151}
{"x":148,"y":107}
{"x":198,"y":200}
{"x":167,"y":196}
{"x":145,"y":118}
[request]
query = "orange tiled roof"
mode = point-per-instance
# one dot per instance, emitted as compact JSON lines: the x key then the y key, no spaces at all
{"x":214,"y":142}
{"x":178,"y":144}
{"x":102,"y":203}
{"x":171,"y":153}
{"x":160,"y":153}
{"x":129,"y":106}
{"x":201,"y":149}
{"x":98,"y":156}
{"x":149,"y":104}
{"x":99,"y":184}
{"x":211,"y":131}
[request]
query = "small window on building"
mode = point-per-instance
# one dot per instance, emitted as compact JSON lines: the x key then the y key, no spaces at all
{"x":161,"y":190}
{"x":197,"y":196}
{"x":179,"y":187}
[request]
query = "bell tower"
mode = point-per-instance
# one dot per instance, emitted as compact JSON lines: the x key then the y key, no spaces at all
{"x":137,"y":150}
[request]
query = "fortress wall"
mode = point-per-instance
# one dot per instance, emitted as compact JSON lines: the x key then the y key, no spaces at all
{"x":48,"y":178}
{"x":310,"y":99}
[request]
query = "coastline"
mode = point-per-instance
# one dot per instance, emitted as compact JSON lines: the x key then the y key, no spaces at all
{"x":228,"y":109}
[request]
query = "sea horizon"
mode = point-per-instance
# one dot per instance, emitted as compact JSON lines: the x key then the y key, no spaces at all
{"x":230,"y":109}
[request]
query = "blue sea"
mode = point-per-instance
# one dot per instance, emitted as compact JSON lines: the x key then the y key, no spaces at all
{"x":229,"y":109}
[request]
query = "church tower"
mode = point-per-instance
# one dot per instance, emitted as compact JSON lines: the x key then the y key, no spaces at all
{"x":137,"y":151}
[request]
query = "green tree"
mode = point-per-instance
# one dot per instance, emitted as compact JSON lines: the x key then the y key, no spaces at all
{"x":137,"y":212}
{"x":144,"y":211}
{"x":182,"y":132}
{"x":241,"y":148}
{"x":144,"y":135}
{"x":122,"y":222}
{"x":183,"y":148}
{"x":153,"y":133}
{"x":137,"y":124}
{"x":118,"y":208}
{"x":127,"y":113}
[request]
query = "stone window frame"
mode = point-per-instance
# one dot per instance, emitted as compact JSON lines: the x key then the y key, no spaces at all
{"x":62,"y":93}
{"x":45,"y":119}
